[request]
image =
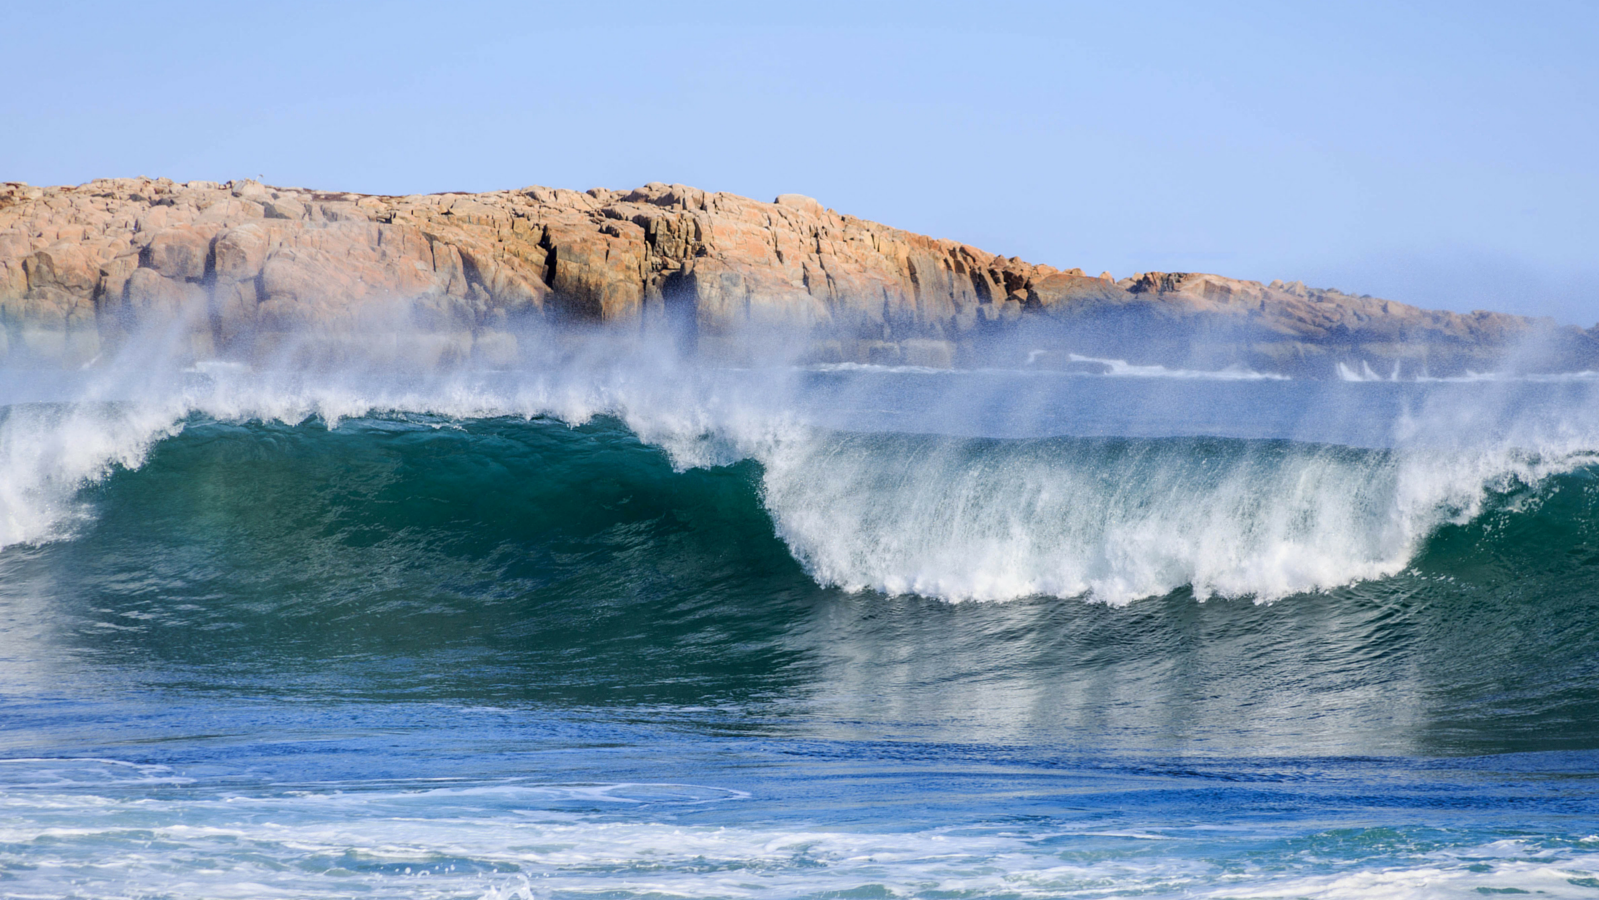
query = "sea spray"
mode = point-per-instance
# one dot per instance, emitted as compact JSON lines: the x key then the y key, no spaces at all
{"x":1117,"y":519}
{"x":462,"y":655}
{"x":49,"y":451}
{"x":864,"y":505}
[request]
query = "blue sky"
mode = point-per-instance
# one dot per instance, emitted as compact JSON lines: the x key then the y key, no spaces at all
{"x":1439,"y":154}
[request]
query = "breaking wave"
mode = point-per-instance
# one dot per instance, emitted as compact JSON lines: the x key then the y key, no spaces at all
{"x":956,"y":518}
{"x":1118,"y":519}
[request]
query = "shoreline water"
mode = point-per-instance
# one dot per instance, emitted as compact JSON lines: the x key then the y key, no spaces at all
{"x":636,"y":625}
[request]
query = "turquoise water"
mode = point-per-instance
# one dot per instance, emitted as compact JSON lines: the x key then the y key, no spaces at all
{"x":842,"y":634}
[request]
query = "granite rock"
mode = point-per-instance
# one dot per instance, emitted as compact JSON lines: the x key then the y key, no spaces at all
{"x":83,"y":266}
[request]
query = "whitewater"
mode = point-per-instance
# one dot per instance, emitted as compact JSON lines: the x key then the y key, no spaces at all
{"x":618,"y":620}
{"x":985,"y":491}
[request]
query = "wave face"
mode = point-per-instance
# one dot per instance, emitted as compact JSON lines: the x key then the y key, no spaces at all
{"x":869,"y":496}
{"x":581,"y":565}
{"x":1110,"y":519}
{"x":402,"y":534}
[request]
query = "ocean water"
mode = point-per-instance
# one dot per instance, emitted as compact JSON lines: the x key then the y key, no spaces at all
{"x":624,"y":626}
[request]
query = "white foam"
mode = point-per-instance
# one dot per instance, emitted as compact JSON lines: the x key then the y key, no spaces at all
{"x":1365,"y":373}
{"x":943,"y":518}
{"x":1123,"y":369}
{"x":988,"y":521}
{"x":882,"y":368}
{"x":1112,"y":368}
{"x":515,"y":841}
{"x":47,"y":452}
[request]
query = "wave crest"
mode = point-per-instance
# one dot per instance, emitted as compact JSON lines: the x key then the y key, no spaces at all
{"x":957,"y":518}
{"x":1117,"y":520}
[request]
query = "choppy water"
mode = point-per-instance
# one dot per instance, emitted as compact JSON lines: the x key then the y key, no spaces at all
{"x":646,"y":630}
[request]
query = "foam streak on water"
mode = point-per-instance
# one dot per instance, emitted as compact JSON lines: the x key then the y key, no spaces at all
{"x":520,"y":839}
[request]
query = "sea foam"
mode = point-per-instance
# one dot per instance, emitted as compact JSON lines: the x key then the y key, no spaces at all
{"x":520,"y":841}
{"x":958,"y":518}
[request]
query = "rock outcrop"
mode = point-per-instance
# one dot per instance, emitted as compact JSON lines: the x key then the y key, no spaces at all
{"x":83,"y":267}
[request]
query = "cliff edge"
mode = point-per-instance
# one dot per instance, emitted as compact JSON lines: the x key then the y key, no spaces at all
{"x":83,"y":267}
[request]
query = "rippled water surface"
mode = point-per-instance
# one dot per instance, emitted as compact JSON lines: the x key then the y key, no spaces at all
{"x":844,"y":633}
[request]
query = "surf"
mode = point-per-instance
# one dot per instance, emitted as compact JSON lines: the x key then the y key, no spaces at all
{"x":1111,"y":520}
{"x":408,"y":557}
{"x":995,"y":488}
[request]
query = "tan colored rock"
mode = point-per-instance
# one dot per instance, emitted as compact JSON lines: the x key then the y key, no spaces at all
{"x":801,"y":202}
{"x":179,"y":252}
{"x":598,"y":273}
{"x":111,"y":292}
{"x":1067,"y":294}
{"x":240,"y":252}
{"x":151,"y":294}
{"x":284,"y":208}
{"x":65,"y":266}
{"x":231,"y":211}
{"x":13,"y":280}
{"x":249,"y":189}
{"x":88,"y":259}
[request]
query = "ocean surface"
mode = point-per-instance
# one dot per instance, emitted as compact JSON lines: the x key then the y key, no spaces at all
{"x":624,"y":626}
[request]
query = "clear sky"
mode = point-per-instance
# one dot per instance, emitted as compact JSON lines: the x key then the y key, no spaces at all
{"x":1445,"y":154}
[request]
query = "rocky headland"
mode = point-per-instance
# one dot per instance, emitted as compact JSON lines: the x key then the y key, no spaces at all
{"x":241,"y":265}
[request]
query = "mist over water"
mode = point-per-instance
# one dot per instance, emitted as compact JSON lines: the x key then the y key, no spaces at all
{"x":613,"y":618}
